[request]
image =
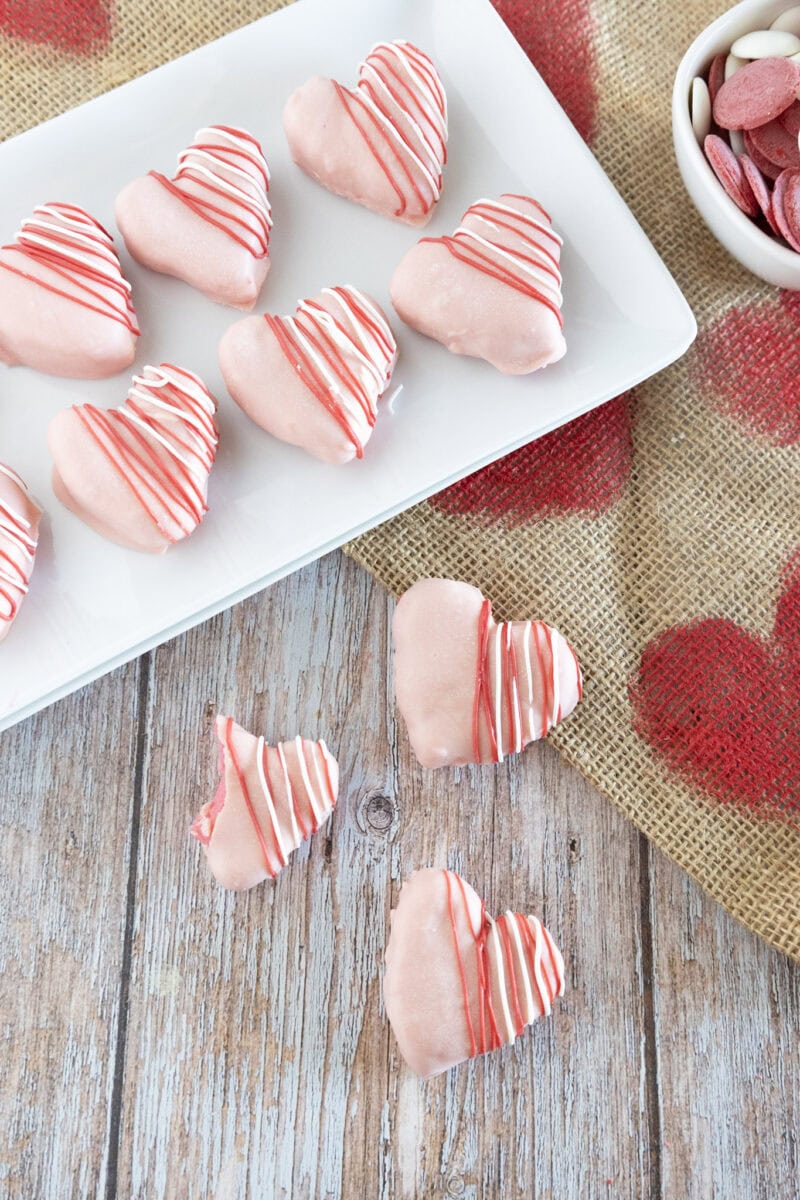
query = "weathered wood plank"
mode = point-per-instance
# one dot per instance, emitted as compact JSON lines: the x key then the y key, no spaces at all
{"x":728,"y":1017}
{"x":256,"y":1060}
{"x":66,"y":806}
{"x":564,"y":1109}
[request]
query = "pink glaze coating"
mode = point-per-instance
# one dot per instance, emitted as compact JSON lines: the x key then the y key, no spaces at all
{"x":138,"y":474}
{"x":313,"y":379}
{"x":492,"y":290}
{"x":382,"y":143}
{"x":65,"y":308}
{"x":471,"y":690}
{"x":458,"y":982}
{"x":210,"y":224}
{"x":19,"y":536}
{"x":269,"y":800}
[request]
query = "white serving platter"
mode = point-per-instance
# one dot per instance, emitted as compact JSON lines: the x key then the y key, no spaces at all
{"x":92,"y":605}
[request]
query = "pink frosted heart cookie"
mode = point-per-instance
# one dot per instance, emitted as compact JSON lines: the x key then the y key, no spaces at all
{"x":381,"y":143}
{"x":269,"y":800}
{"x":458,"y":982}
{"x":19,"y":535}
{"x":138,"y":474}
{"x":210,"y":224}
{"x":492,"y":290}
{"x":471,"y":690}
{"x":313,"y":379}
{"x":65,"y":307}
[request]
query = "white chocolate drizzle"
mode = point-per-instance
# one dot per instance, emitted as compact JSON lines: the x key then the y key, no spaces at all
{"x":162,"y":441}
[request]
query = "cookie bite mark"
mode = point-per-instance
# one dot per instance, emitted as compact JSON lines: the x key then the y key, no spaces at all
{"x":269,"y":800}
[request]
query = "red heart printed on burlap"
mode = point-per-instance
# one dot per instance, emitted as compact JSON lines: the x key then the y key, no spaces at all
{"x":581,"y":468}
{"x":561,"y":39}
{"x":721,"y":705}
{"x":458,"y":982}
{"x":746,"y":362}
{"x":138,"y":474}
{"x":76,"y":26}
{"x":381,"y":143}
{"x":472,"y":690}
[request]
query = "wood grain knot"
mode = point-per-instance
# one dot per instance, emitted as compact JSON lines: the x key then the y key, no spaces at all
{"x":378,"y":814}
{"x":455,"y":1186}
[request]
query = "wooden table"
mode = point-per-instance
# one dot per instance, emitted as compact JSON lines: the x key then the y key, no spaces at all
{"x":162,"y":1038}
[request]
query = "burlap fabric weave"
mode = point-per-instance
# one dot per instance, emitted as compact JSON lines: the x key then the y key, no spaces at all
{"x":660,"y":534}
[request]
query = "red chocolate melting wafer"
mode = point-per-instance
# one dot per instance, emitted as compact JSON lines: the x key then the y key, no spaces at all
{"x":728,"y":171}
{"x":758,"y":186}
{"x":716,"y":76}
{"x":757,"y":93}
{"x":764,"y":165}
{"x":790,"y":119}
{"x":786,"y":206}
{"x":775,"y":143}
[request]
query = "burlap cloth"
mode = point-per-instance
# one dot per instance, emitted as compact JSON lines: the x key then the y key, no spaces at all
{"x":661,"y":533}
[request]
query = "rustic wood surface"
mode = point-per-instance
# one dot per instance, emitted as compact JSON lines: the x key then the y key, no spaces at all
{"x":164,"y":1039}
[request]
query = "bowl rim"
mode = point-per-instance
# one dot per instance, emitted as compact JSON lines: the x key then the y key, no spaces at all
{"x":687,"y":70}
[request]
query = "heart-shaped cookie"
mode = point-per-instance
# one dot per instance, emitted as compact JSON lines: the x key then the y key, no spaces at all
{"x":492,"y":290}
{"x":458,"y":982}
{"x":269,"y":800}
{"x":19,"y":535}
{"x":210,"y":224}
{"x":65,"y":307}
{"x":313,"y":379}
{"x":138,"y":474}
{"x":470,"y":690}
{"x":382,"y":143}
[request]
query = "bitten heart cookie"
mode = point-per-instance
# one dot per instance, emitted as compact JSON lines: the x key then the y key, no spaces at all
{"x":19,"y":536}
{"x":458,"y":982}
{"x":138,"y":474}
{"x":471,"y":690}
{"x":65,"y":307}
{"x":210,"y":224}
{"x":269,"y":800}
{"x":492,"y":290}
{"x":313,"y":379}
{"x":382,"y":143}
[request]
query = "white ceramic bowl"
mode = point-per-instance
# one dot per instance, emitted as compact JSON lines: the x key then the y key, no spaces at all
{"x":761,"y":254}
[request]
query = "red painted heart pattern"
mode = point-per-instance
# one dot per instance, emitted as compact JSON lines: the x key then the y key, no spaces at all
{"x":560,"y":38}
{"x":581,"y":468}
{"x":74,"y":26}
{"x":720,"y":704}
{"x":746,"y":362}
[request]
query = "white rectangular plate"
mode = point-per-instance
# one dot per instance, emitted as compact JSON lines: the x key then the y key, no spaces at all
{"x":92,"y":605}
